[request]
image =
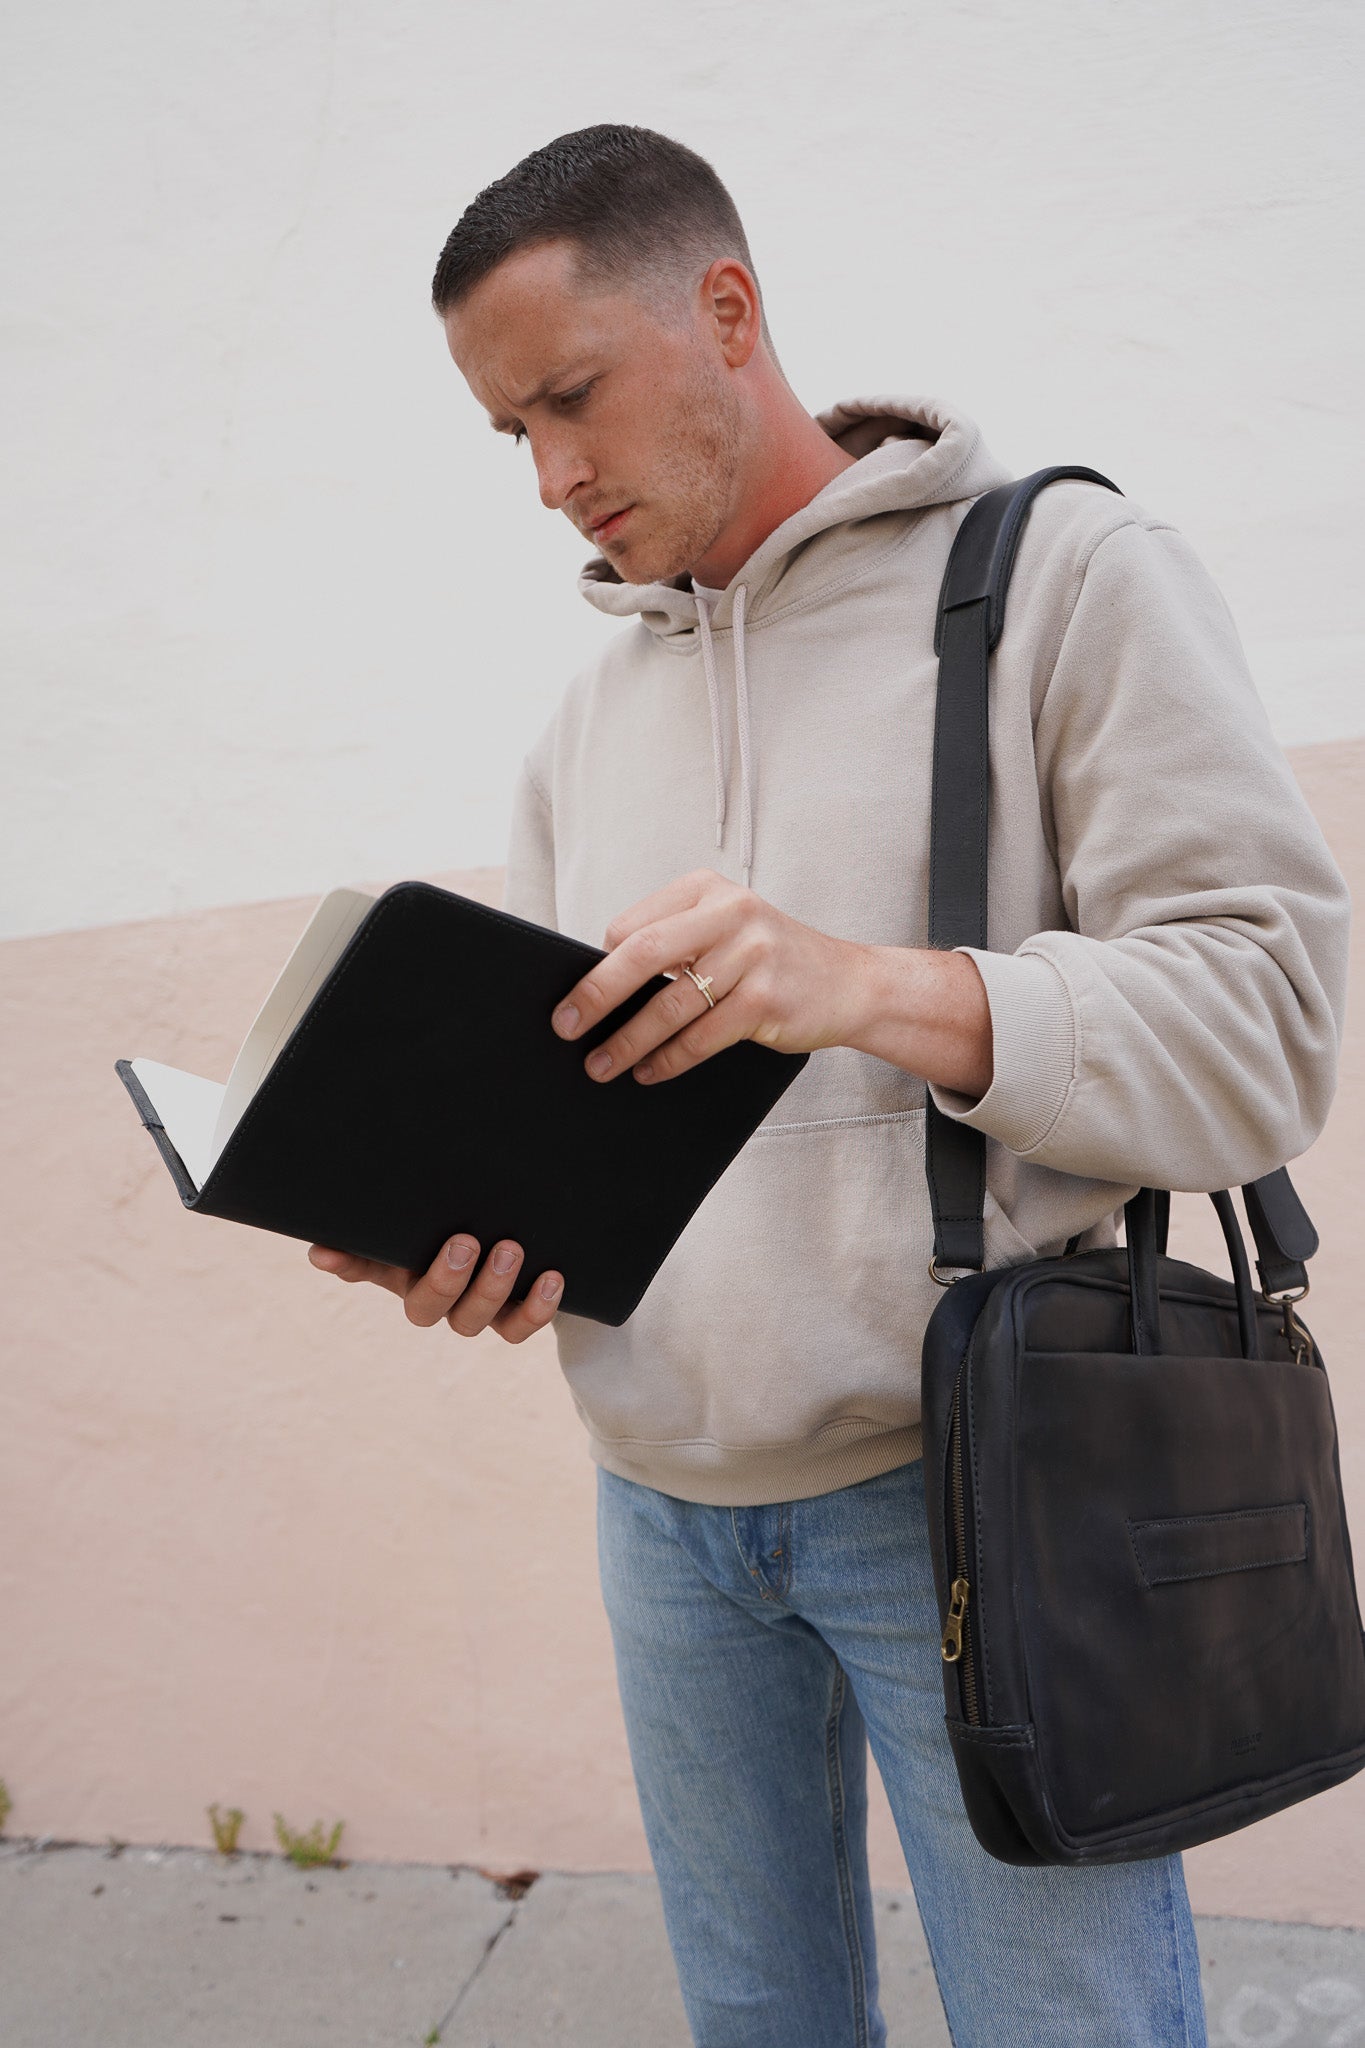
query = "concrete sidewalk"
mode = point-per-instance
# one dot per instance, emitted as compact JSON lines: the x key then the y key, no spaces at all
{"x":179,"y":1948}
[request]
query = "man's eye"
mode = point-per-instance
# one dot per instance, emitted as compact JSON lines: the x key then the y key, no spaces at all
{"x":577,"y":397}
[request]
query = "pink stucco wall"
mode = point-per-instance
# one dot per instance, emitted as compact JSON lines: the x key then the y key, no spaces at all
{"x":263,"y":1543}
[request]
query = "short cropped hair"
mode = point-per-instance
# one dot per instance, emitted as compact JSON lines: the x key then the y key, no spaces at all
{"x":636,"y":204}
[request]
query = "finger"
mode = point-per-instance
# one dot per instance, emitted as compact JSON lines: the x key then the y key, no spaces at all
{"x":521,"y":1319}
{"x":680,"y":894}
{"x":429,"y":1296}
{"x":350,"y":1266}
{"x":487,"y":1291}
{"x":705,"y":1035}
{"x":700,"y":1041}
{"x":666,"y":1016}
{"x":647,"y":952}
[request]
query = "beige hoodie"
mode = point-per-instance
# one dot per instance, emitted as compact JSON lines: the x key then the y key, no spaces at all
{"x":1168,"y":933}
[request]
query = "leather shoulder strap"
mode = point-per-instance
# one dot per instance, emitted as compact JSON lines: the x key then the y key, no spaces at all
{"x":971,"y":618}
{"x":1285,"y":1238}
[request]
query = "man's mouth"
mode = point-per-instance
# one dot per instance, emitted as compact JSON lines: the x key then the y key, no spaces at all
{"x":610,"y":525}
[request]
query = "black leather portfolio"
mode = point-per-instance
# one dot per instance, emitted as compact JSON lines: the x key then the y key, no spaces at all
{"x":412,"y":1086}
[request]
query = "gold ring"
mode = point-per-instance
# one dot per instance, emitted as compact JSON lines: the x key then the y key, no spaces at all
{"x":703,"y":983}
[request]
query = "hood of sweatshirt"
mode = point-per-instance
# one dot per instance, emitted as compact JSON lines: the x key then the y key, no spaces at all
{"x":908,"y":453}
{"x":1166,"y":966}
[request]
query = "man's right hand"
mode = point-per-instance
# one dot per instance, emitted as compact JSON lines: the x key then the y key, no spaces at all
{"x":455,"y":1289}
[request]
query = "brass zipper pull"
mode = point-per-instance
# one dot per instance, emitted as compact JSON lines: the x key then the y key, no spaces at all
{"x":957,"y":1616}
{"x":1299,"y":1342}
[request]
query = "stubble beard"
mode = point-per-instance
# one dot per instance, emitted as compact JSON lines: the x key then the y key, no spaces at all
{"x":693,"y":485}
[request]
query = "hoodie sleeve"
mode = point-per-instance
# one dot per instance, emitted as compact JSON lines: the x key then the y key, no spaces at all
{"x":529,"y":878}
{"x":1185,"y":1032}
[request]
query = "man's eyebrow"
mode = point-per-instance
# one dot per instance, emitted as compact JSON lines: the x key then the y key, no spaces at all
{"x":500,"y":422}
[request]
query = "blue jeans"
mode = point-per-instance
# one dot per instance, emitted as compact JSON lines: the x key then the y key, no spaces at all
{"x":758,"y":1650}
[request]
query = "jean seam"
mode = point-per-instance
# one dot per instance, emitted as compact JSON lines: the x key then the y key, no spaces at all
{"x":784,"y":1537}
{"x":739,"y":1547}
{"x":774,"y":1595}
{"x":754,"y":1572}
{"x":749,"y":1569}
{"x":933,"y":1965}
{"x":1178,"y":1948}
{"x":852,"y":1937}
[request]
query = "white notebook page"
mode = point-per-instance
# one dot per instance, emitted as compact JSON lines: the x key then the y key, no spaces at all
{"x":321,"y":945}
{"x":188,"y":1109}
{"x":200,"y":1116}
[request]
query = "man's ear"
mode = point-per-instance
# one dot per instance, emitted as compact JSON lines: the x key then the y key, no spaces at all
{"x":730,"y":302}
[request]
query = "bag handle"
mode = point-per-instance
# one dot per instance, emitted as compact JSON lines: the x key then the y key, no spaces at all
{"x":1146,"y":1236}
{"x":968,"y":626}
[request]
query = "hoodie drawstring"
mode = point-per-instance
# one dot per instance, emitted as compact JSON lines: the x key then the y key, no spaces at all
{"x":746,"y":821}
{"x":708,"y":657}
{"x":708,"y":662}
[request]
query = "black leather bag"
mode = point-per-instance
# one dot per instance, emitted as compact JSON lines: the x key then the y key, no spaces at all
{"x":1151,"y":1634}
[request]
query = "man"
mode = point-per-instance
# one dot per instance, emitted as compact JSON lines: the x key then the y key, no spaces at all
{"x":736,"y":793}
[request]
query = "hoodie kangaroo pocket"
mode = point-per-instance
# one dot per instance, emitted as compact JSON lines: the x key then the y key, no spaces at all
{"x":791,"y":1306}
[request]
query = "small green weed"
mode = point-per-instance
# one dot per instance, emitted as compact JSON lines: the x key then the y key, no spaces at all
{"x":307,"y":1850}
{"x":431,"y":2039}
{"x":226,"y":1828}
{"x":6,"y":1805}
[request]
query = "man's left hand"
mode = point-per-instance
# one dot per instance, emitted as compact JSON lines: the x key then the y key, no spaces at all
{"x":776,"y":982}
{"x":772,"y":979}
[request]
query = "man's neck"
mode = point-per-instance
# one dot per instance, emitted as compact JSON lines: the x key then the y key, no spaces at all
{"x":794,"y":458}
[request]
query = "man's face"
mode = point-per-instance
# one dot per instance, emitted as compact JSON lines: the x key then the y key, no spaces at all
{"x":631,"y":414}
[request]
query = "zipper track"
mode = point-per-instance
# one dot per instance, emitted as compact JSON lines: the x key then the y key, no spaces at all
{"x":958,"y":1646}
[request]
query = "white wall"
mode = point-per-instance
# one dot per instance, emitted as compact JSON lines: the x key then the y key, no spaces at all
{"x":280,"y":611}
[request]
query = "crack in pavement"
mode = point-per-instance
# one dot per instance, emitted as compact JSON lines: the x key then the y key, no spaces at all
{"x":474,"y":1974}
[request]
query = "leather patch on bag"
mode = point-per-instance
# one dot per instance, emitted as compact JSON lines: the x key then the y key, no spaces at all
{"x":1202,"y":1546}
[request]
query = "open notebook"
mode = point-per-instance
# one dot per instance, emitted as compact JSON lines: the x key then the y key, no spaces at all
{"x":402,"y":1082}
{"x":200,"y":1116}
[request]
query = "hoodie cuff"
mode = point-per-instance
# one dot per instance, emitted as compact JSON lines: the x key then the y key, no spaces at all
{"x":1033,"y":1029}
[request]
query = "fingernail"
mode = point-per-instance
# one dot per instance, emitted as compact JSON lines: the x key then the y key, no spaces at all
{"x":458,"y":1253}
{"x":644,"y":1072}
{"x":504,"y":1258}
{"x":598,"y":1064}
{"x":549,"y":1287}
{"x":565,"y":1020}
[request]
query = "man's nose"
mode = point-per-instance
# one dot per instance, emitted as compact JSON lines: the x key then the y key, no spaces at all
{"x":560,"y":468}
